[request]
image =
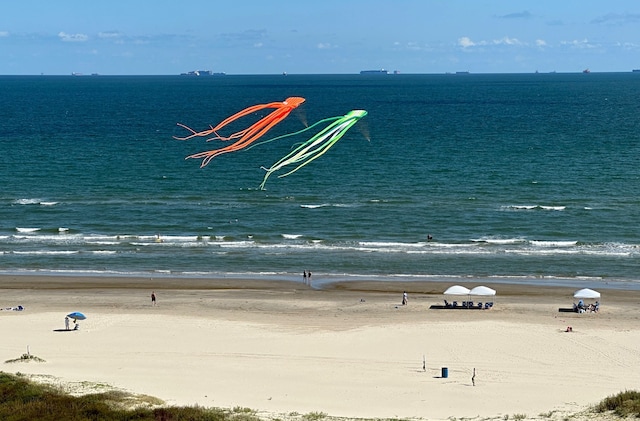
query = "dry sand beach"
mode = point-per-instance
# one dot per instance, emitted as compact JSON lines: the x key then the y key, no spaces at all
{"x":347,"y":350}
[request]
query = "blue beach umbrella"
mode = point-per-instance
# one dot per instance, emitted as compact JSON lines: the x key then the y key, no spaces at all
{"x":76,"y":315}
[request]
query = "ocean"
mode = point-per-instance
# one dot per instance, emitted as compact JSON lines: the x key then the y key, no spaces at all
{"x":520,"y":178}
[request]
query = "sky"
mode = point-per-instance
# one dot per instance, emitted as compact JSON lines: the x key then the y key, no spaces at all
{"x":164,"y":37}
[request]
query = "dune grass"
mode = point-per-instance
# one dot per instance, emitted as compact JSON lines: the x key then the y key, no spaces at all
{"x":21,"y":400}
{"x":624,"y":404}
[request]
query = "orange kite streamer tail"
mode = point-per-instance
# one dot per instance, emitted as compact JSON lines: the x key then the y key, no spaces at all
{"x":247,"y":136}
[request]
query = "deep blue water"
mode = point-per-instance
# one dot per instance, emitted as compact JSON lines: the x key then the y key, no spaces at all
{"x":526,"y":178}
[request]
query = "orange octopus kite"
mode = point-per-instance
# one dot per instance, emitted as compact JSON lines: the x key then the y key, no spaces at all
{"x":247,"y":136}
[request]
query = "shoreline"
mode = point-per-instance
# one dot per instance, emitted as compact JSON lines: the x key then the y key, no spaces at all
{"x":347,"y":349}
{"x":324,"y":281}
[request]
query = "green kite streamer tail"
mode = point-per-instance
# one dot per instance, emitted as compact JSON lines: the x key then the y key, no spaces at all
{"x":315,"y":147}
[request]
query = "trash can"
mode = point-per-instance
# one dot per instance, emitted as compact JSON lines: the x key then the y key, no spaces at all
{"x":445,"y":372}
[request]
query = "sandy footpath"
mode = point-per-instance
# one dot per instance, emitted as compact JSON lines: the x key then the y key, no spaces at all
{"x":348,"y":350}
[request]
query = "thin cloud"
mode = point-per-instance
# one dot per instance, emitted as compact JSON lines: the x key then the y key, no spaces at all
{"x":629,"y":45}
{"x":507,"y":41}
{"x":413,"y":46}
{"x":4,"y":34}
{"x":581,"y":44}
{"x":72,"y":37}
{"x":324,"y":46}
{"x":617,"y":19}
{"x":517,"y":15}
{"x":252,"y":36}
{"x":109,"y":35}
{"x":465,"y":42}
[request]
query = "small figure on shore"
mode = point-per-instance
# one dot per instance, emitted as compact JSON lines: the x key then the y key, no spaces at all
{"x":405,"y":298}
{"x":473,"y":378}
{"x":424,"y":363}
{"x":153,"y":298}
{"x":304,"y":277}
{"x":429,"y":237}
{"x":309,"y":277}
{"x":66,"y":322}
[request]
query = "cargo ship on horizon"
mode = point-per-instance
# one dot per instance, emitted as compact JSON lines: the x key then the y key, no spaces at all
{"x":203,"y":73}
{"x":374,"y":72}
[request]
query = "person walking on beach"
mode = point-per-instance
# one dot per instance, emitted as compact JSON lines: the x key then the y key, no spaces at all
{"x":153,"y":298}
{"x":473,"y":378}
{"x":309,"y":277}
{"x":304,"y":277}
{"x":66,"y":322}
{"x":405,"y":298}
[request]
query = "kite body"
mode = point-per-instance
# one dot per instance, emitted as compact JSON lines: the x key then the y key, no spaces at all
{"x":315,"y":147}
{"x":245,"y":137}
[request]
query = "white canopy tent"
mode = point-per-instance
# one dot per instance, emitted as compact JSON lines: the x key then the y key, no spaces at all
{"x":482,"y":290}
{"x":586,"y":293}
{"x":457,"y":290}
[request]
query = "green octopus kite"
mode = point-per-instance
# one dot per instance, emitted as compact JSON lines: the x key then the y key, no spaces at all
{"x":316,"y":146}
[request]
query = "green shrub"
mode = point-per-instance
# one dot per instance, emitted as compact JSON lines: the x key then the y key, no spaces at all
{"x":623,"y":404}
{"x":23,"y":400}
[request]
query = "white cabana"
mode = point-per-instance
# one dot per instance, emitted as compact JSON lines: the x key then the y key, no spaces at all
{"x":457,"y":290}
{"x":586,"y":293}
{"x":482,"y":290}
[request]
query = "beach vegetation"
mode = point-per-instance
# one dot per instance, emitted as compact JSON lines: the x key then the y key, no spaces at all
{"x":624,"y":404}
{"x":23,"y":399}
{"x":25,"y":358}
{"x":243,"y":410}
{"x":239,"y":413}
{"x":314,"y":416}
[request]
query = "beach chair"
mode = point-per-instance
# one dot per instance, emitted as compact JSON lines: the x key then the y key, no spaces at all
{"x":480,"y":305}
{"x":455,"y":304}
